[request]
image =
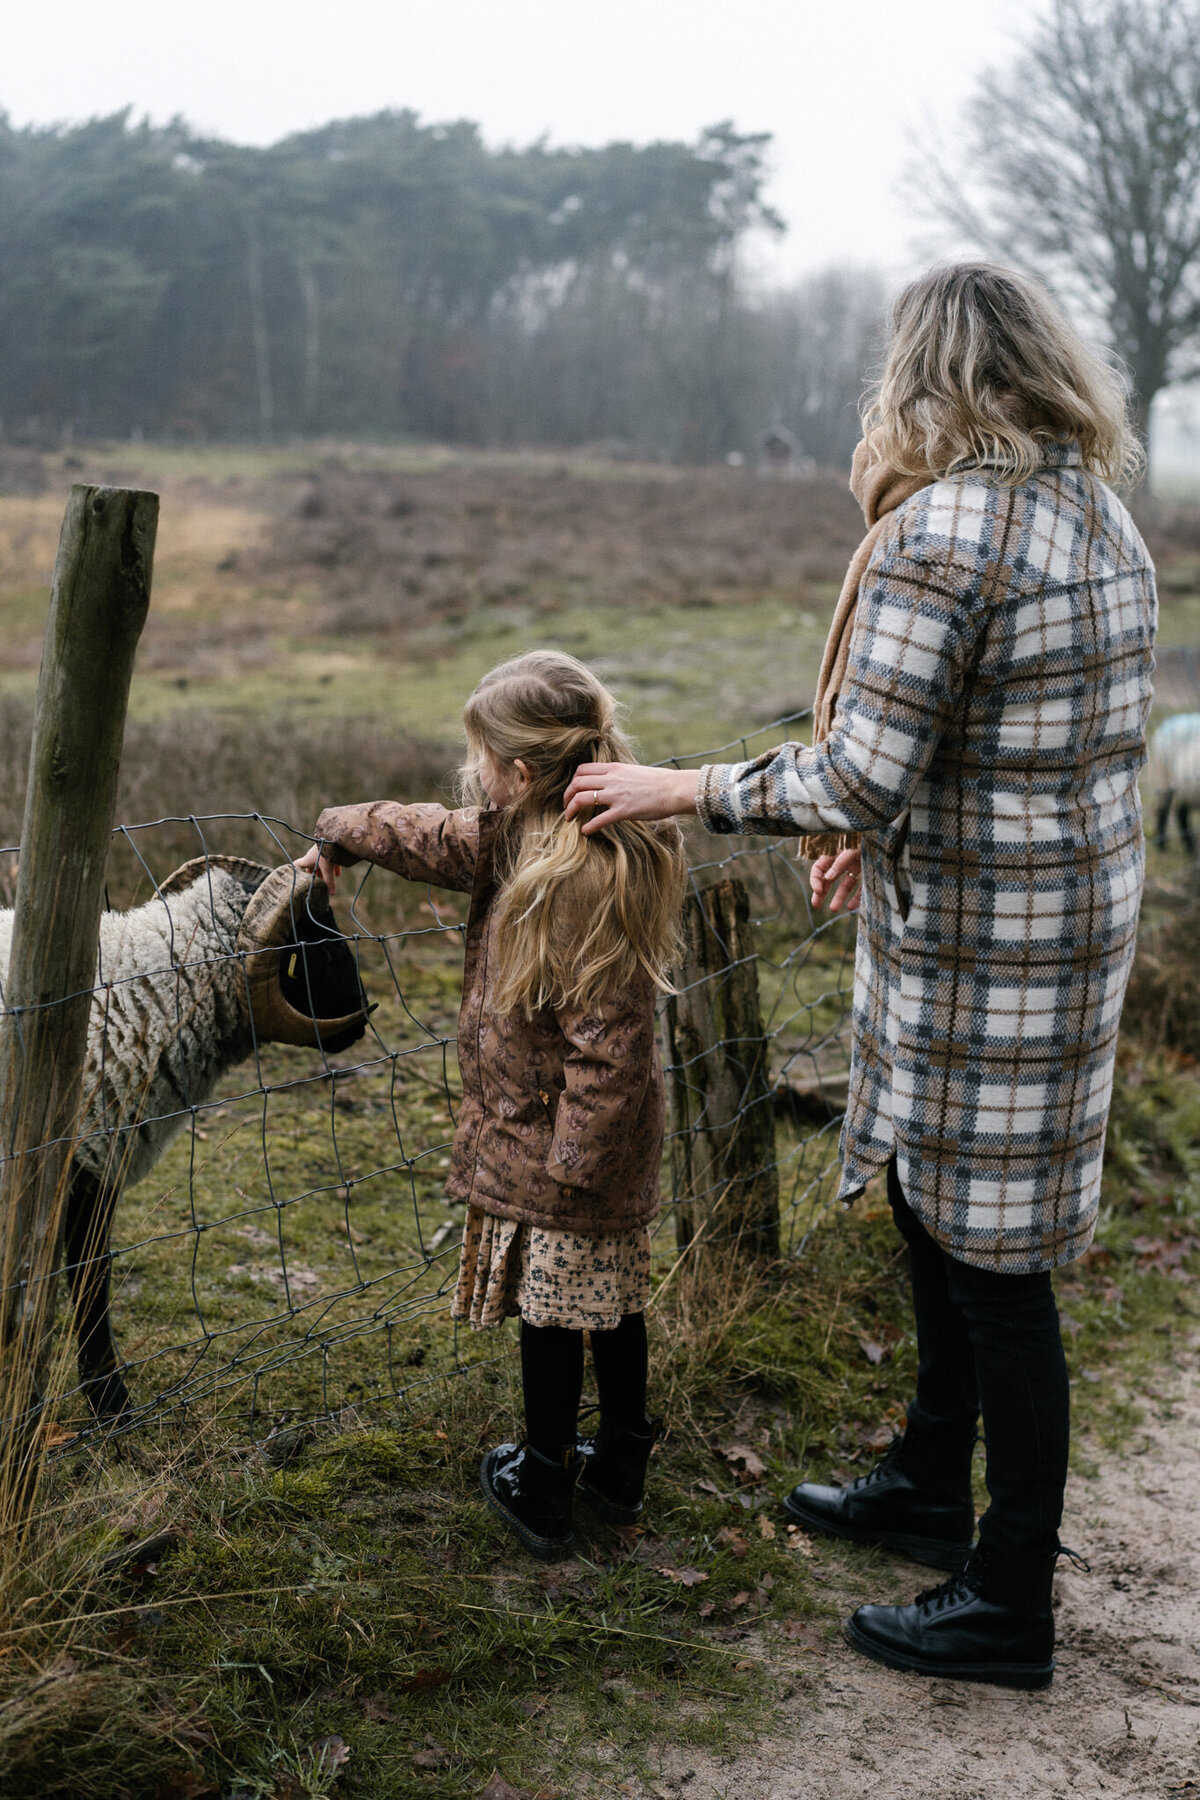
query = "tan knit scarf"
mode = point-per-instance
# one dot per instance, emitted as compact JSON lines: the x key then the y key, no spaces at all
{"x":879,"y":490}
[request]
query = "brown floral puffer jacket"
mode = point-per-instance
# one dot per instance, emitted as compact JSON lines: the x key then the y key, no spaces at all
{"x":561,"y":1122}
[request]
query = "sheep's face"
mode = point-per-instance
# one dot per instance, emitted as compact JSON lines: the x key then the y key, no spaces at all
{"x":303,"y":974}
{"x":319,"y":977}
{"x":302,"y":984}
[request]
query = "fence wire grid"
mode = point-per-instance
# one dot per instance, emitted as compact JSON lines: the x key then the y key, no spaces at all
{"x":291,"y":1253}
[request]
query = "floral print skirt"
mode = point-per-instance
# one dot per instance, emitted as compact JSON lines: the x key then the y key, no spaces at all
{"x":563,"y":1278}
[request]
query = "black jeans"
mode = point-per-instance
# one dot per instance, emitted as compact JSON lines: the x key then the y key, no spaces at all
{"x":987,"y":1342}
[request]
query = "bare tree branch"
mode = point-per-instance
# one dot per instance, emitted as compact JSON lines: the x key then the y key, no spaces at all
{"x":1081,"y":161}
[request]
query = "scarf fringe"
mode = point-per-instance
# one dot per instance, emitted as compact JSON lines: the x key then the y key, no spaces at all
{"x":827,"y":843}
{"x":879,"y":490}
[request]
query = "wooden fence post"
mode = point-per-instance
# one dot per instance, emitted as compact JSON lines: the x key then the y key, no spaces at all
{"x":722,"y":1117}
{"x":98,"y":606}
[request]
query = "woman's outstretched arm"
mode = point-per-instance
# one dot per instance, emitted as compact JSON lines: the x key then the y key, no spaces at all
{"x":919,"y":616}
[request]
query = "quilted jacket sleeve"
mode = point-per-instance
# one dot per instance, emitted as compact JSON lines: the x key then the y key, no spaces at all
{"x":608,"y":1072}
{"x":919,"y":616}
{"x":422,"y":843}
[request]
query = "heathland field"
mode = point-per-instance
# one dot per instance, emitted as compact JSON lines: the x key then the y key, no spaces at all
{"x":335,"y":1613}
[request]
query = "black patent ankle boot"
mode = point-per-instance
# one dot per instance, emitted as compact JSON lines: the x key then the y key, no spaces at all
{"x":991,"y":1622}
{"x":533,"y":1495}
{"x":613,"y":1478}
{"x":888,"y":1507}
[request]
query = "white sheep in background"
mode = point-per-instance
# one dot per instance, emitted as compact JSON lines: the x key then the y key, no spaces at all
{"x":1174,"y":776}
{"x":229,"y":954}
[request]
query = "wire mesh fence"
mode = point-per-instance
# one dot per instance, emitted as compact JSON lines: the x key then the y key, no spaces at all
{"x":280,"y":1242}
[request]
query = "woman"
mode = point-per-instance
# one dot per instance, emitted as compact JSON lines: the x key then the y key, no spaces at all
{"x":981,"y":768}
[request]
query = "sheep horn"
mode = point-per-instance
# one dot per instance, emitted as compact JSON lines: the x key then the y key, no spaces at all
{"x":268,"y":925}
{"x":250,"y":874}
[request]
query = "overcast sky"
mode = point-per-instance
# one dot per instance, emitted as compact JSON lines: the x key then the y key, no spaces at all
{"x":843,"y":88}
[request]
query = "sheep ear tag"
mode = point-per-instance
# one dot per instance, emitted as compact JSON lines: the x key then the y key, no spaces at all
{"x":301,"y":974}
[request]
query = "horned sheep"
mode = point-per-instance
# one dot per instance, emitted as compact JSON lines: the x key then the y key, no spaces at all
{"x":227,"y":955}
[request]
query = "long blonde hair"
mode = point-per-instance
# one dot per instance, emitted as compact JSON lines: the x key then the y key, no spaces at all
{"x":983,"y":366}
{"x":579,"y":917}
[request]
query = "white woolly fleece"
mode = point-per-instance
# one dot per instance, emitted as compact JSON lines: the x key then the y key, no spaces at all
{"x":1174,"y":758}
{"x":169,"y":1017}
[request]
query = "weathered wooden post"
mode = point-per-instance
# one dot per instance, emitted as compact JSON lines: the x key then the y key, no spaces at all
{"x":98,"y":606}
{"x":722,"y":1118}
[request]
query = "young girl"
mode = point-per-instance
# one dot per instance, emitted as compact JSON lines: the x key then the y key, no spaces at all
{"x":559,"y":1136}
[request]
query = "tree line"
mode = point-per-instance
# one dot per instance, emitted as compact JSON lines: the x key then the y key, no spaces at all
{"x":382,"y":276}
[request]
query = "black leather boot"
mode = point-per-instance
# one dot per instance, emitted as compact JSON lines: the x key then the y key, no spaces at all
{"x":613,"y":1477}
{"x":991,"y":1622}
{"x":887,"y":1507}
{"x":533,"y":1495}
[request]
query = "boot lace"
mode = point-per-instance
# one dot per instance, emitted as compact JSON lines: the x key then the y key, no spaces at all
{"x":954,"y":1588}
{"x":886,"y":1462}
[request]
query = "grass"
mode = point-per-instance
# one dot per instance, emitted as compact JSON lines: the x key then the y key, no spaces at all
{"x":361,"y":1596}
{"x":338,"y":1586}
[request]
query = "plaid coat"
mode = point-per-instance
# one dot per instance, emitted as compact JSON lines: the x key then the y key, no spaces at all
{"x":987,"y":742}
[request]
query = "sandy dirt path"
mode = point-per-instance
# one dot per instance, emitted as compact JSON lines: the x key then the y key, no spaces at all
{"x":1121,"y":1719}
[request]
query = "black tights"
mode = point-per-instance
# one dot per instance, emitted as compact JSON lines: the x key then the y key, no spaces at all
{"x":989,"y":1342}
{"x":552,"y":1373}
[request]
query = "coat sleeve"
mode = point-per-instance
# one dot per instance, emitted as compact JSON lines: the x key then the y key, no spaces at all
{"x":919,"y":616}
{"x":422,"y":843}
{"x":609,"y":1066}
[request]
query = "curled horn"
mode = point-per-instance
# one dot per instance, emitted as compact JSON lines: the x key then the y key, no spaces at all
{"x":250,"y":874}
{"x":268,"y":926}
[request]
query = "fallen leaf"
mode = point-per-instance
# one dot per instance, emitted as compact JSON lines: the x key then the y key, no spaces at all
{"x":499,"y":1789}
{"x":377,"y":1709}
{"x":739,"y":1599}
{"x":422,"y":1680}
{"x":710,"y":1487}
{"x":799,"y":1541}
{"x":684,"y":1577}
{"x":748,"y":1463}
{"x":1158,"y":1253}
{"x":329,"y":1755}
{"x":766,"y":1528}
{"x":743,"y":1665}
{"x":435,"y":1757}
{"x":707,"y":1608}
{"x":874,"y":1353}
{"x":735,"y":1541}
{"x":798,"y":1631}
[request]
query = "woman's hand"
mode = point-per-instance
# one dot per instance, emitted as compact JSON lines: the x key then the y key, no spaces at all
{"x":838,"y":879}
{"x":606,"y":792}
{"x":316,"y":860}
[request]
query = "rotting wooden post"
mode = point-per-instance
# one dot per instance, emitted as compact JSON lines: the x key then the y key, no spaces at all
{"x":722,"y":1117}
{"x":98,"y":606}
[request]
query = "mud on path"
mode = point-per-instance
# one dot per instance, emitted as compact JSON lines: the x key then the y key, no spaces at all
{"x":1121,"y":1719}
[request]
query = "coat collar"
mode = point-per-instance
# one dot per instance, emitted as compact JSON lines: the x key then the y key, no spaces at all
{"x":1053,"y":456}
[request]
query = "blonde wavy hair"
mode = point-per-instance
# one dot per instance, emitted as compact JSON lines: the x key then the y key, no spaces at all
{"x":983,"y":366}
{"x":579,"y":917}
